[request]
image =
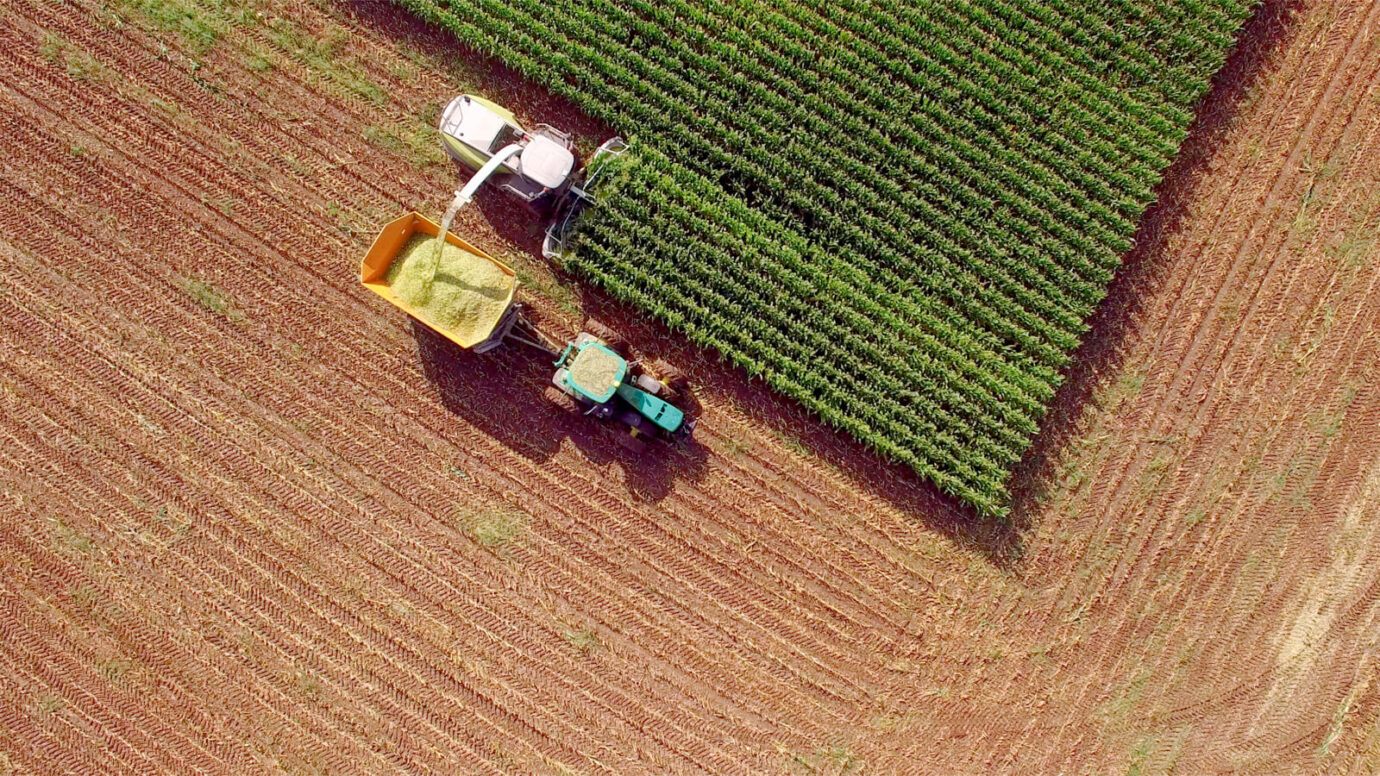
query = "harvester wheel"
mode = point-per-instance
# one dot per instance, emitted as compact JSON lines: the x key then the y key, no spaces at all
{"x":669,"y":376}
{"x":609,"y":336}
{"x":560,"y":398}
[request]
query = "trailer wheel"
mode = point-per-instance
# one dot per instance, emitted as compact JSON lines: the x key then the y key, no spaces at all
{"x":610,"y":337}
{"x":670,"y":376}
{"x":560,"y":398}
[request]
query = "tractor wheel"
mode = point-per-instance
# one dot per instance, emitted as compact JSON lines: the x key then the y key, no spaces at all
{"x":560,"y":398}
{"x":634,"y":444}
{"x":669,"y":376}
{"x":609,"y":336}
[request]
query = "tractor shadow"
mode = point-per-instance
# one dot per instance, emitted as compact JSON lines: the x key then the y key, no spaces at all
{"x":1145,"y":268}
{"x":502,"y":394}
{"x":1000,"y":542}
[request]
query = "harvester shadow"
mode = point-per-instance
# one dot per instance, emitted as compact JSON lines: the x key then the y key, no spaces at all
{"x":1144,"y":268}
{"x":515,"y":223}
{"x":502,"y":394}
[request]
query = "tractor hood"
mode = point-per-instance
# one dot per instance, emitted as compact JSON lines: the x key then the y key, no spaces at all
{"x":665,"y":415}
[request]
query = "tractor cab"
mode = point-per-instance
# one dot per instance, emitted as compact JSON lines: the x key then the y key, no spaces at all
{"x":535,"y":167}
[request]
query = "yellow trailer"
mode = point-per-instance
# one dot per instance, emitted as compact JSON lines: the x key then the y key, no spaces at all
{"x":468,"y":298}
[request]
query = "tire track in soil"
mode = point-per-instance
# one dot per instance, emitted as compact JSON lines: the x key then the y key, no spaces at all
{"x":150,"y":734}
{"x":1201,"y":416}
{"x":1190,"y":435}
{"x":36,"y":449}
{"x":289,"y":566}
{"x":269,"y":619}
{"x":1359,"y":314}
{"x":108,"y":692}
{"x":1355,"y":342}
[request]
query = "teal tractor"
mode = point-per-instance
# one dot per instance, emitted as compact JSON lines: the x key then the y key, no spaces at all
{"x":594,"y":376}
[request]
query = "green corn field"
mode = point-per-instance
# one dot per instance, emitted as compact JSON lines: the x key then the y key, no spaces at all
{"x":900,"y":213}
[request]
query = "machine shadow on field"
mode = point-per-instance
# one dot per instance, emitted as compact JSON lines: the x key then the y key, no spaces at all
{"x":1100,"y":357}
{"x":502,"y":394}
{"x":798,"y":431}
{"x":533,"y":104}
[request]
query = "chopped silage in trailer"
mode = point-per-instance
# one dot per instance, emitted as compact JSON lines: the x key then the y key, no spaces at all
{"x":466,"y":296}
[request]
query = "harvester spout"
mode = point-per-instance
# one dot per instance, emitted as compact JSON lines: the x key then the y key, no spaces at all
{"x":462,"y":198}
{"x":464,"y":195}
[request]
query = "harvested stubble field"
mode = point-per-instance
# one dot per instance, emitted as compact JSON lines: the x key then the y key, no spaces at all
{"x":255,"y":520}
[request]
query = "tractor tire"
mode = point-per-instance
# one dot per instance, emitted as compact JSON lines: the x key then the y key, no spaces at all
{"x":610,"y":337}
{"x":669,"y":376}
{"x":633,"y":444}
{"x":560,"y":398}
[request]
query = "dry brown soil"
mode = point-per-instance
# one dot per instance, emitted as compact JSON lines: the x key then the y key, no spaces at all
{"x":252,"y":518}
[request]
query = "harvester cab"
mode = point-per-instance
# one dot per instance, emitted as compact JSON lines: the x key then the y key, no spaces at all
{"x":536,"y":167}
{"x":539,"y":167}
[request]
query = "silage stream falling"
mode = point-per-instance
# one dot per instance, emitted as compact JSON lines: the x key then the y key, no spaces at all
{"x":446,"y":221}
